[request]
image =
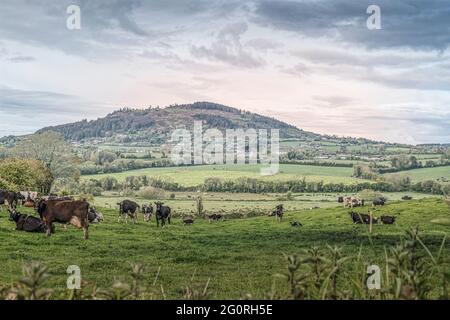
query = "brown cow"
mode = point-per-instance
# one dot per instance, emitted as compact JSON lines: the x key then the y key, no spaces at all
{"x":69,"y":211}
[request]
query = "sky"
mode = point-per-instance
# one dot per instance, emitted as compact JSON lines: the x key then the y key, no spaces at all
{"x":312,"y":63}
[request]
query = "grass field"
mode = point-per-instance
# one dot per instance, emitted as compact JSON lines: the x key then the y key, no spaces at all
{"x":436,"y":173}
{"x":184,"y":202}
{"x":239,"y":256}
{"x":195,"y":175}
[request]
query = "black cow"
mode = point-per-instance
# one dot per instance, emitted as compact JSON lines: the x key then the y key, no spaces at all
{"x":128,"y":208}
{"x":11,"y":197}
{"x":147,"y":211}
{"x":26,"y":222}
{"x":340,"y":199}
{"x":278,"y":212}
{"x":406,"y":198}
{"x":162,"y":214}
{"x":379,"y":201}
{"x":188,"y":221}
{"x":359,"y":218}
{"x":94,"y":216}
{"x":387,"y":219}
{"x":296,"y":224}
{"x":215,"y":217}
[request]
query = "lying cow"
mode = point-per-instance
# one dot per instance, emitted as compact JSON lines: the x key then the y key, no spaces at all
{"x":188,"y":221}
{"x":359,"y":218}
{"x":215,"y":217}
{"x":73,"y":212}
{"x":94,"y":216}
{"x":128,"y":208}
{"x":406,"y":198}
{"x":26,"y":222}
{"x":147,"y":211}
{"x":162,"y":214}
{"x":388,"y":219}
{"x":296,"y":224}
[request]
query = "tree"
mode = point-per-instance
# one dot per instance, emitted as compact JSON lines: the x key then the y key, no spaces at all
{"x":19,"y":174}
{"x":52,"y":151}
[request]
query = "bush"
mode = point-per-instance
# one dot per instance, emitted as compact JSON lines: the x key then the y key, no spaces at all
{"x":151,"y":193}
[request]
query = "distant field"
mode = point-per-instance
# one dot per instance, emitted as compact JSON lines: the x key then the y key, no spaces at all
{"x":184,"y":202}
{"x":428,"y":173}
{"x":195,"y":175}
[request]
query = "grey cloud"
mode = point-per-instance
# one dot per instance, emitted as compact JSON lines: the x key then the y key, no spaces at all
{"x":26,"y":103}
{"x":405,"y":23}
{"x":334,"y":101}
{"x":20,"y":59}
{"x":227,"y":48}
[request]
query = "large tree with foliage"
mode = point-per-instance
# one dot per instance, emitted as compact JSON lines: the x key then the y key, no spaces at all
{"x":20,"y":174}
{"x":52,"y":151}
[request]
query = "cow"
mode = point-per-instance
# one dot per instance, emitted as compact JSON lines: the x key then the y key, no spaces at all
{"x":215,"y":217}
{"x":128,"y":208}
{"x":340,"y":199}
{"x":379,"y":201}
{"x":147,"y":211}
{"x":406,"y":198}
{"x":188,"y":221}
{"x":359,"y":218}
{"x":13,"y":198}
{"x":162,"y":214}
{"x":68,"y":211}
{"x":29,"y":195}
{"x":278,"y":212}
{"x":296,"y":224}
{"x":351,"y":202}
{"x":387,"y":219}
{"x":26,"y":222}
{"x":94,"y":216}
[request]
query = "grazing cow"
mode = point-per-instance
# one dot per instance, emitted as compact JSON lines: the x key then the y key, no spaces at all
{"x":340,"y":199}
{"x":94,"y":216}
{"x":73,"y":212}
{"x":296,"y":224}
{"x":188,"y":221}
{"x":11,"y":197}
{"x":406,"y":198}
{"x":147,"y":211}
{"x":379,"y":201}
{"x":387,"y":219}
{"x":278,"y":212}
{"x":215,"y":217}
{"x":128,"y":208}
{"x":359,"y":218}
{"x":162,"y":214}
{"x":26,"y":222}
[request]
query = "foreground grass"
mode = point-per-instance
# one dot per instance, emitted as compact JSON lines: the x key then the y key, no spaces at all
{"x":238,"y":256}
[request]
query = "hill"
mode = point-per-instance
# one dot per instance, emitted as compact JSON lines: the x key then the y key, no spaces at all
{"x":154,"y":125}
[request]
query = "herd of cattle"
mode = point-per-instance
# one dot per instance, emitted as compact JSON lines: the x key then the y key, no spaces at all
{"x":351,"y":202}
{"x":79,"y":213}
{"x":67,"y":210}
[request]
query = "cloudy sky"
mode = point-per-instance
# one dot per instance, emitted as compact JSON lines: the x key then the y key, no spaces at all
{"x":312,"y":63}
